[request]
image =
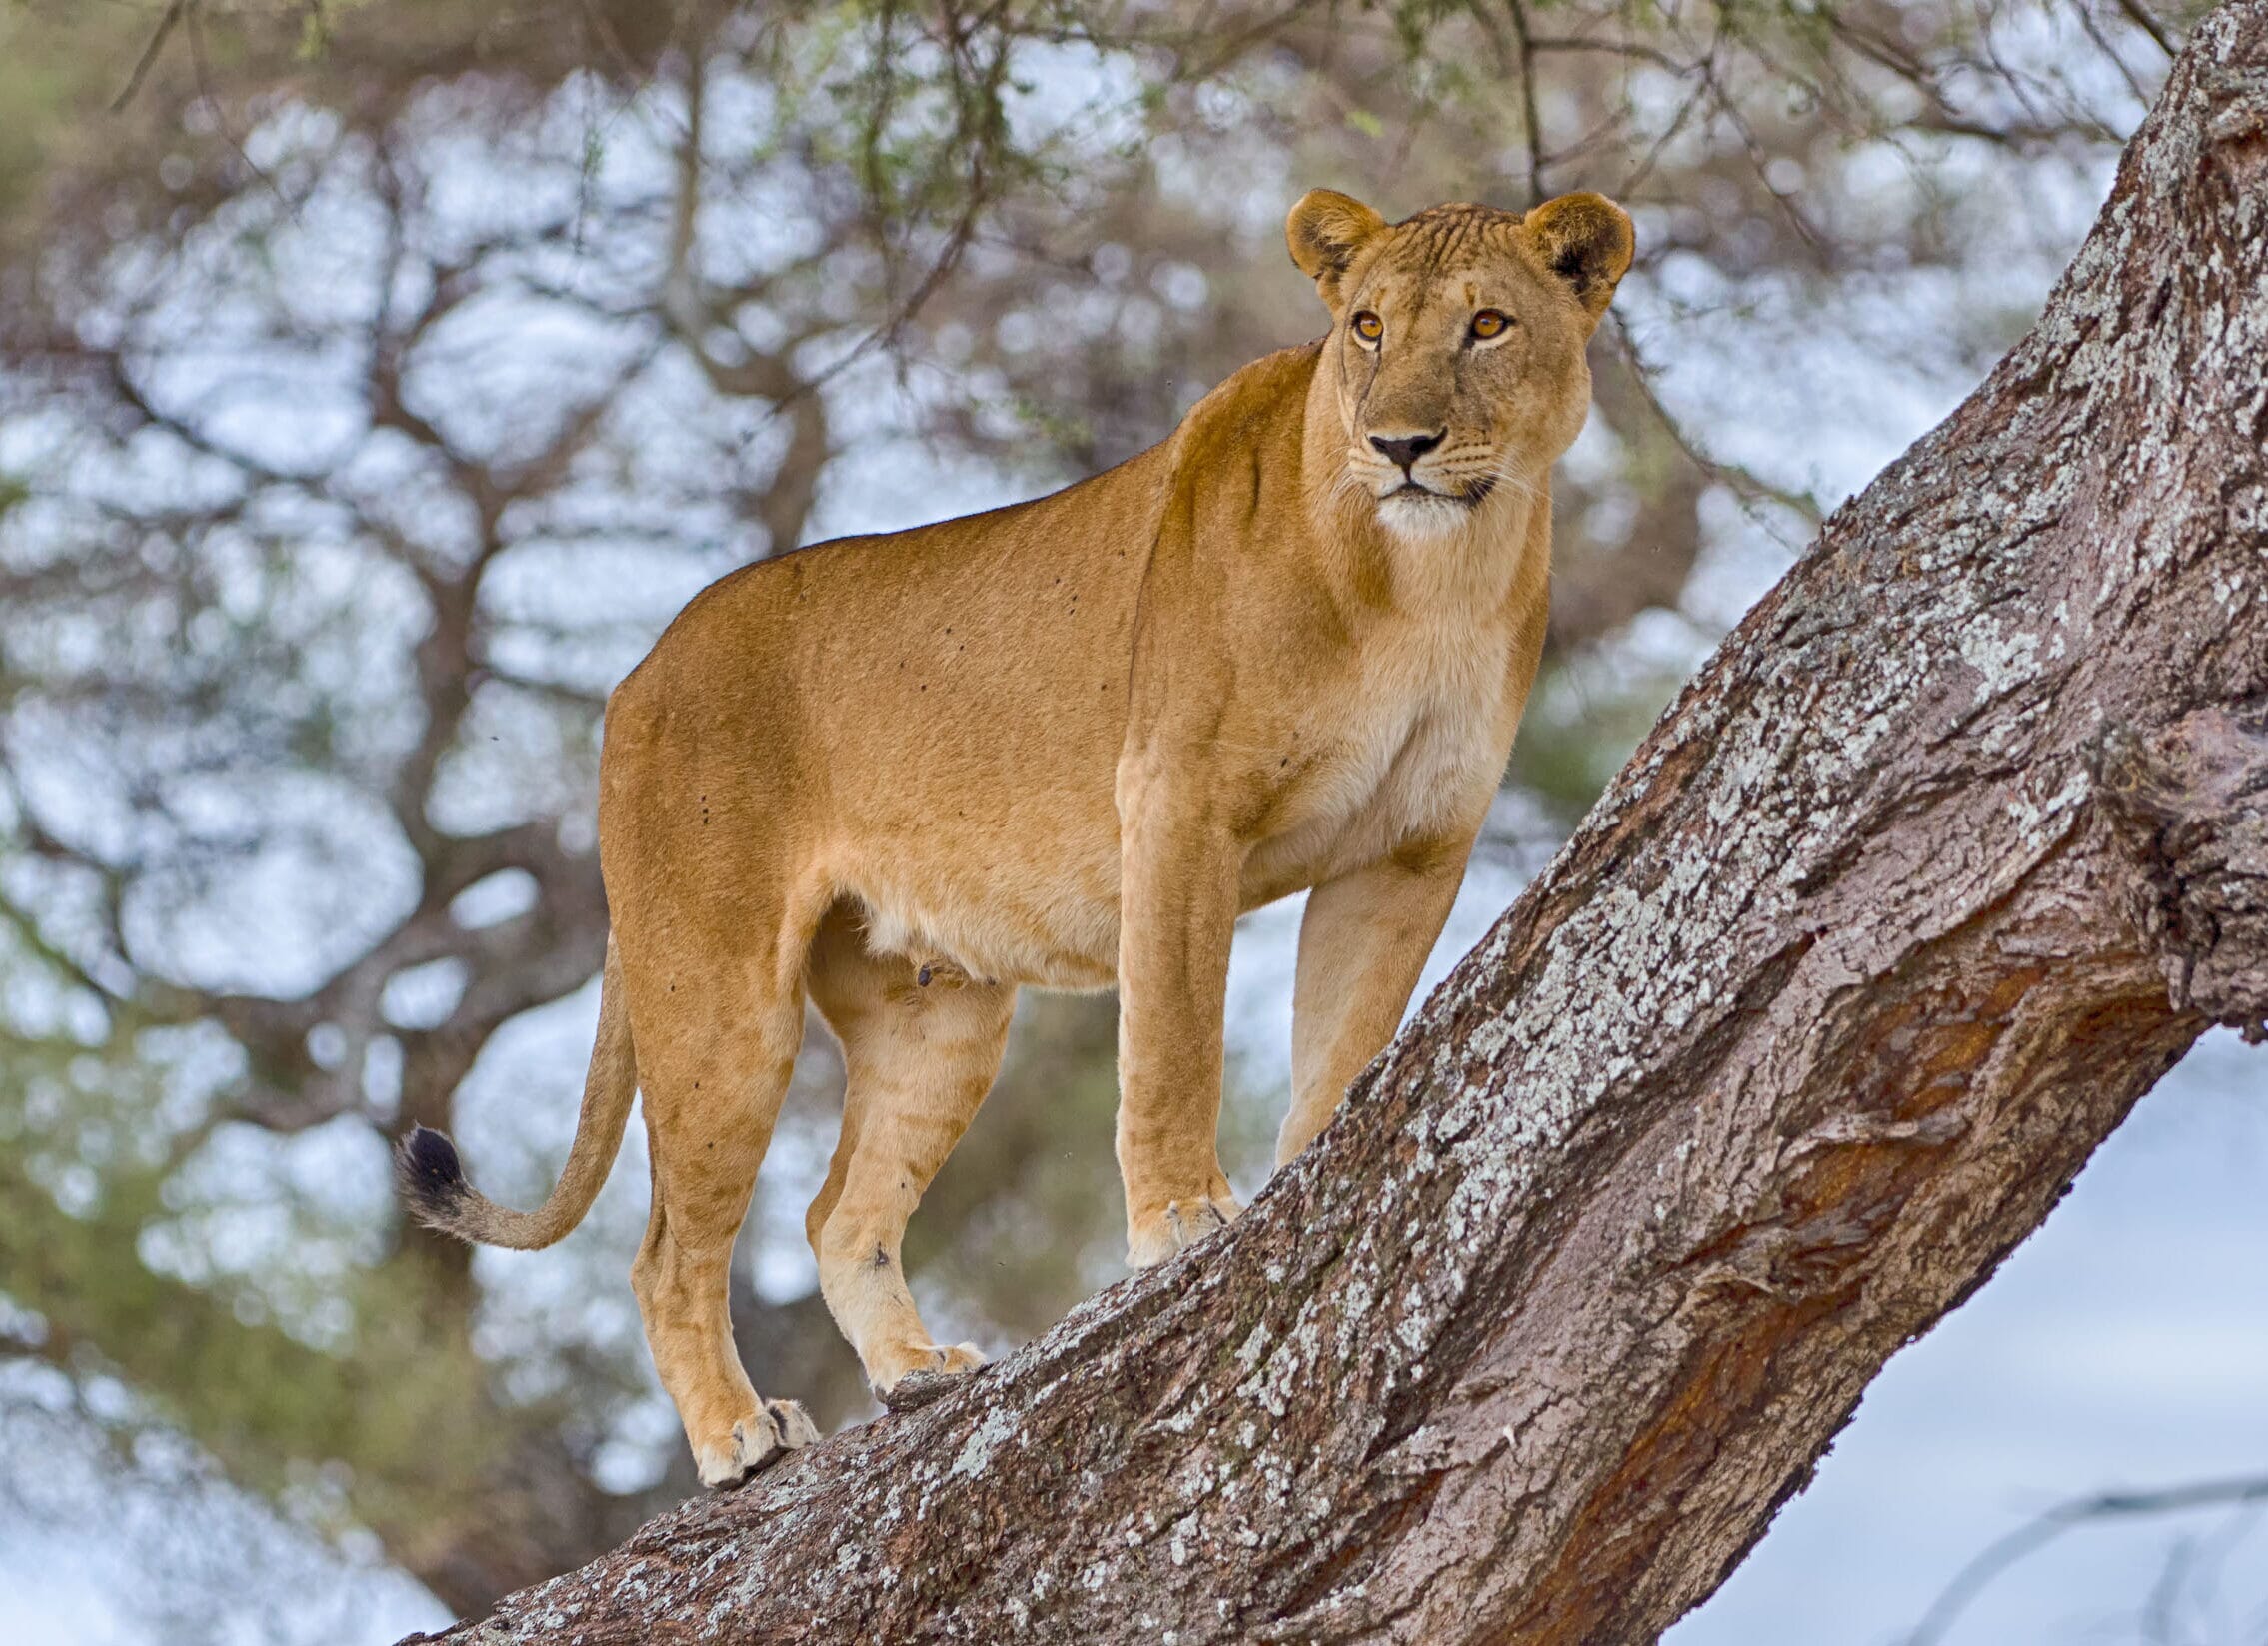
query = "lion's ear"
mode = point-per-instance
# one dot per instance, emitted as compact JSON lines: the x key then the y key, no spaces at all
{"x":1586,"y":239}
{"x":1326,"y":230}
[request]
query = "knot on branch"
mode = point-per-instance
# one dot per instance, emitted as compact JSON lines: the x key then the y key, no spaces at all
{"x":2191,"y":801}
{"x":2241,"y":123}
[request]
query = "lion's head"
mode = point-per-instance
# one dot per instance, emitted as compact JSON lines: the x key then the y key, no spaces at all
{"x":1457,"y":342}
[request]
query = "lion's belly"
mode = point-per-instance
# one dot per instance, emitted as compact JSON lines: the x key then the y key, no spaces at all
{"x":1048,"y":926}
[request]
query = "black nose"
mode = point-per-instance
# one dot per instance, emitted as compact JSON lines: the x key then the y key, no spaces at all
{"x":1406,"y":450}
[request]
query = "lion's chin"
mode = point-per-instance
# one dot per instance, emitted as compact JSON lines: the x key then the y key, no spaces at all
{"x":1410,"y":513}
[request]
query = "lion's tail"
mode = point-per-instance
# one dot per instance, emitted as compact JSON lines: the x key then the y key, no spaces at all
{"x":433,"y":1181}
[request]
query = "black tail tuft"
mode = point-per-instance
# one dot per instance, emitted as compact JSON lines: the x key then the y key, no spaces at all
{"x":432,"y":1181}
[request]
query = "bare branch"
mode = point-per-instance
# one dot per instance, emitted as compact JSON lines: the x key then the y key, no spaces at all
{"x":2139,"y":15}
{"x":158,"y":38}
{"x":1972,"y":1579}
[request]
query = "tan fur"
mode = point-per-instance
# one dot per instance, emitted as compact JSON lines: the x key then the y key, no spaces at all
{"x":1065,"y":745}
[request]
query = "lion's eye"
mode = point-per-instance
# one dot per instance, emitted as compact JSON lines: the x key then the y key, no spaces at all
{"x":1369,"y":327}
{"x":1491,"y":323}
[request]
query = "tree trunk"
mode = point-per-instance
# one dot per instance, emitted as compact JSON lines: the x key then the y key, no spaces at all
{"x":1951,"y":850}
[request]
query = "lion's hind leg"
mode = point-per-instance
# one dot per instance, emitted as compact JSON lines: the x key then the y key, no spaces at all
{"x":919,"y":1049}
{"x":712,"y":1084}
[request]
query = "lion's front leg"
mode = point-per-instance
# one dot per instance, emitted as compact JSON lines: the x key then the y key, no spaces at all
{"x":1178,"y":911}
{"x":1363,"y":942}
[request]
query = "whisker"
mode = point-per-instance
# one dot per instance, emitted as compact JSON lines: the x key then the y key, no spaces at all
{"x":1508,"y":476}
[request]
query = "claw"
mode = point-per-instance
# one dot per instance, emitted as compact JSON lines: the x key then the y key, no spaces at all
{"x":1182,"y":1224}
{"x":778,"y":1429}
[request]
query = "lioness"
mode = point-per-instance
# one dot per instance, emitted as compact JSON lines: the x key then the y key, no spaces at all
{"x":1065,"y":744}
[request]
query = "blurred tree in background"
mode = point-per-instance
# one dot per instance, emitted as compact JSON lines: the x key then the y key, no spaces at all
{"x":376,"y":379}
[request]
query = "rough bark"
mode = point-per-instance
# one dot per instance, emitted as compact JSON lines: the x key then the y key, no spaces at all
{"x":1950,"y":852}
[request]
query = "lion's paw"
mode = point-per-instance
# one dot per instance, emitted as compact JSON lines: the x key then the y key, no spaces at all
{"x":797,"y":1430}
{"x":777,"y":1429}
{"x":929,"y":1372}
{"x":1160,"y":1234}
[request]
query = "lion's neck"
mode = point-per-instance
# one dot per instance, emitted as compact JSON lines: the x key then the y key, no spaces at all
{"x":1471,"y":569}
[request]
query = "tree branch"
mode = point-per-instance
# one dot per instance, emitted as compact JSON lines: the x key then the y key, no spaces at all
{"x":1971,"y":1579}
{"x":149,"y":55}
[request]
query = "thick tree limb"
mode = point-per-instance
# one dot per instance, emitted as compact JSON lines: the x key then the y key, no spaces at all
{"x":1945,"y":858}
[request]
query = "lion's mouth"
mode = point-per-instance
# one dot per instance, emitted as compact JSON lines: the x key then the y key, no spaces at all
{"x":1470,"y":496}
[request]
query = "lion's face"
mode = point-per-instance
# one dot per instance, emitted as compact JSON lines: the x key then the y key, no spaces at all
{"x":1457,"y":340}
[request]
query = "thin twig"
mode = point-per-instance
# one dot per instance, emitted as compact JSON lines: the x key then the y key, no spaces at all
{"x":1750,"y":486}
{"x":219,"y":117}
{"x":2094,"y":33}
{"x":1997,"y":1557}
{"x":2139,"y":15}
{"x":157,"y":37}
{"x":1530,"y":109}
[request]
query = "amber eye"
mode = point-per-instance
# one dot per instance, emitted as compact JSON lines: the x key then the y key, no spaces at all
{"x":1369,"y":327}
{"x":1491,"y":323}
